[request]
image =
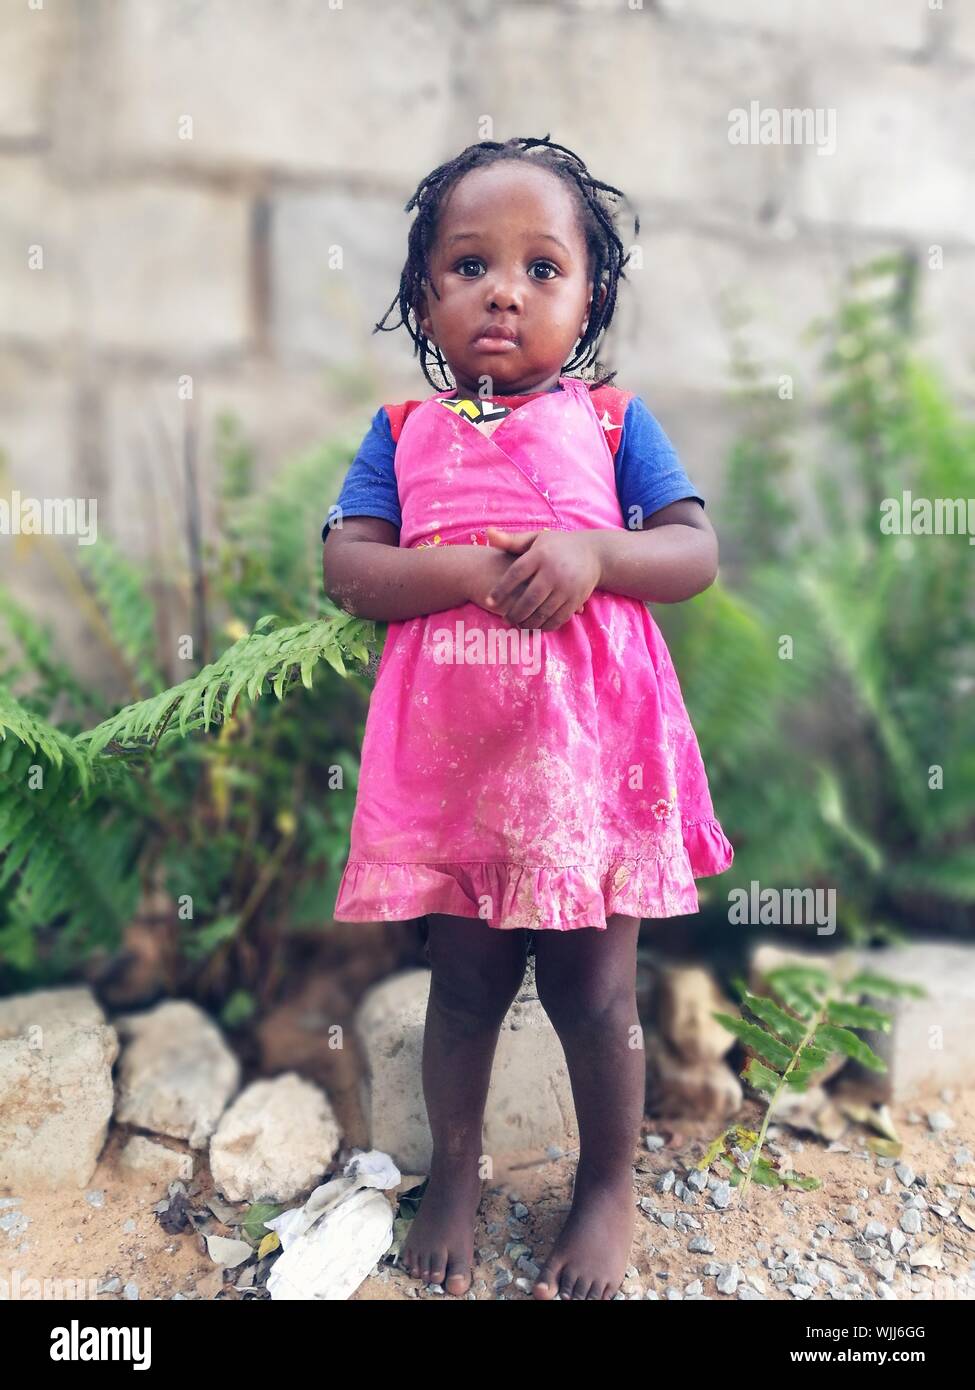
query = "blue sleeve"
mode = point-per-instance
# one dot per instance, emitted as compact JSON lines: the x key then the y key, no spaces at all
{"x":369,"y":487}
{"x":649,"y":474}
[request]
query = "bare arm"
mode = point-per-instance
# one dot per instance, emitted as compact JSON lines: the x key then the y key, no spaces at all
{"x":365,"y":571}
{"x":673,"y":557}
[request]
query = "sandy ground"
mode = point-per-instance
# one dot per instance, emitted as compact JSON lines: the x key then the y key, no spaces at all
{"x":119,"y":1242}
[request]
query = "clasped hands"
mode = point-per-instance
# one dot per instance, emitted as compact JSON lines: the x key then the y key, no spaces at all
{"x":547,"y":584}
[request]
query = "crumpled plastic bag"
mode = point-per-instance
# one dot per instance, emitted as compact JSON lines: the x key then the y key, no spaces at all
{"x":333,"y":1241}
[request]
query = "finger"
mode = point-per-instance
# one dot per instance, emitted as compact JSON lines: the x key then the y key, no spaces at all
{"x":544,"y":611}
{"x":520,"y":571}
{"x":525,"y":604}
{"x":517,"y":542}
{"x":559,"y":618}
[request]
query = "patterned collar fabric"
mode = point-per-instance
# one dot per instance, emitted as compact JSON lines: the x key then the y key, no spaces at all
{"x":479,"y":411}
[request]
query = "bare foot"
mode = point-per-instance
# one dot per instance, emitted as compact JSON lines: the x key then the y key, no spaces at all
{"x":592,"y":1251}
{"x":439,"y":1246}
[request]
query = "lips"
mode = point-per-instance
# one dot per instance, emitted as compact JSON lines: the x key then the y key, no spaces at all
{"x":495,"y":333}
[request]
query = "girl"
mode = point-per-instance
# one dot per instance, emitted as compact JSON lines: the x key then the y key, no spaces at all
{"x":528,"y":767}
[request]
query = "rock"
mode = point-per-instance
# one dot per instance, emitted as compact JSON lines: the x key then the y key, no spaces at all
{"x":729,"y":1280}
{"x":529,"y":1102}
{"x":155,"y":1161}
{"x":655,"y":1142}
{"x":275,"y":1141}
{"x":33,"y":1012}
{"x":686,"y":1046}
{"x":938,"y":1120}
{"x":897,"y":1241}
{"x":874,"y":1230}
{"x":176,"y":1073}
{"x":666,"y":1182}
{"x":56,"y":1099}
{"x":227,"y":1252}
{"x":686,"y":996}
{"x":910,"y":1221}
{"x":905,"y":1173}
{"x":721,"y":1195}
{"x":700,"y":1245}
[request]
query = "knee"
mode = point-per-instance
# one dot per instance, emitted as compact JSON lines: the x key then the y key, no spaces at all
{"x":474,"y":998}
{"x":588,"y":1008}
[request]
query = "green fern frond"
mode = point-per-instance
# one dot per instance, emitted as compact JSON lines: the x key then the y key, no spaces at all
{"x":36,"y":734}
{"x":279,"y":658}
{"x":118,"y":586}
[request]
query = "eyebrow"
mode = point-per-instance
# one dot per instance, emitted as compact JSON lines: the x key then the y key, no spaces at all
{"x":541,"y":236}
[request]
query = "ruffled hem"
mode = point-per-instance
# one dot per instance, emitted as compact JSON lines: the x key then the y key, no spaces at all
{"x":535,"y":898}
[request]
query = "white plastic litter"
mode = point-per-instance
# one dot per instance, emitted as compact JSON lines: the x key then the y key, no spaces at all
{"x":333,"y":1241}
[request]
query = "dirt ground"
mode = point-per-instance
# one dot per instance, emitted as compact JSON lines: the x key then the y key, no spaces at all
{"x":119,"y":1245}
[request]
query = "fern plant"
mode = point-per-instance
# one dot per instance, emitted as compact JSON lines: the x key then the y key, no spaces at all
{"x":235,"y":805}
{"x":792,"y":1038}
{"x":829,"y":677}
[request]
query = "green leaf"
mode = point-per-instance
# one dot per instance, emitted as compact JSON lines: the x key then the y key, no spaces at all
{"x":761,"y":1077}
{"x":757,"y":1039}
{"x":857,"y":1016}
{"x":841,"y":1040}
{"x":783,"y":1025}
{"x":865,"y":982}
{"x":255,"y":1217}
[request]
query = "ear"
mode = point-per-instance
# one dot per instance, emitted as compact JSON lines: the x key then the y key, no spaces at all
{"x":600,"y":302}
{"x":423,"y":318}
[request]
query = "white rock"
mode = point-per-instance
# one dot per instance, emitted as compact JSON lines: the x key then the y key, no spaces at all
{"x":74,"y":1006}
{"x":224,"y":1251}
{"x":275,"y":1141}
{"x":55,"y":1104}
{"x":155,"y":1161}
{"x":176,"y":1074}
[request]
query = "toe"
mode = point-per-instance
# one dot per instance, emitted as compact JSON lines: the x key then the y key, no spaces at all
{"x":458,"y":1279}
{"x":547,"y":1284}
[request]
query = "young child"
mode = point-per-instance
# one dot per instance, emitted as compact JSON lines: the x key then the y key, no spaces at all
{"x":528,"y":767}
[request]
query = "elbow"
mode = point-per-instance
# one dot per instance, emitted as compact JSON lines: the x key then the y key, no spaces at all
{"x":707,"y":570}
{"x":332,"y":583}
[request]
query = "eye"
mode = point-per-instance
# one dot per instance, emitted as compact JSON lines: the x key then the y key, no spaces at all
{"x":468,"y":260}
{"x":545,"y":265}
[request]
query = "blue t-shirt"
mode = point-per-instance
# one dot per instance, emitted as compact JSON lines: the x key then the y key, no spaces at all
{"x":649,"y":474}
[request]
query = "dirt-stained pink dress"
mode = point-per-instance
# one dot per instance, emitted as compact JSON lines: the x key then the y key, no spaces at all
{"x":539,"y":780}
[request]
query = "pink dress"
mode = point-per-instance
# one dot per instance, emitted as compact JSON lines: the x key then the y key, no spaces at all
{"x":534,"y":780}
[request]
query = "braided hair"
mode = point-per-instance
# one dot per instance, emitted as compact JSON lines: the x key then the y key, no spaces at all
{"x":604,"y":248}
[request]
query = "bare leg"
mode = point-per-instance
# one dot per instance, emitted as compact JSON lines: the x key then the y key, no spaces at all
{"x":587,"y":984}
{"x":477,"y":971}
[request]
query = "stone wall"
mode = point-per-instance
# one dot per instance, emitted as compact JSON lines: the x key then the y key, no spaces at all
{"x":185,"y":167}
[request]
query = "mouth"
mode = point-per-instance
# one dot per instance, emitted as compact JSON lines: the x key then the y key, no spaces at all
{"x":495,"y":339}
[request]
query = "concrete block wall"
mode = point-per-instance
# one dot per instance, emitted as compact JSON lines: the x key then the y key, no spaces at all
{"x":187,"y":168}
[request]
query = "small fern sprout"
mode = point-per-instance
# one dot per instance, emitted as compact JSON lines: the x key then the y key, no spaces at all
{"x":791,"y":1038}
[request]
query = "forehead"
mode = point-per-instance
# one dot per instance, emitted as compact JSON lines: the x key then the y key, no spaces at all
{"x":510,"y":197}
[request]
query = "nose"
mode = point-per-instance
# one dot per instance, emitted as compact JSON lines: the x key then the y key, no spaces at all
{"x":502,"y":292}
